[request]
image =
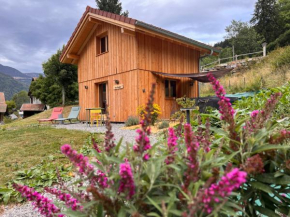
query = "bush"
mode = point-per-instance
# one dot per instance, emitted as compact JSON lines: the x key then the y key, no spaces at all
{"x":184,"y":102}
{"x":163,"y":125}
{"x":7,"y":120}
{"x":155,"y":111}
{"x":132,"y":121}
{"x":240,"y":169}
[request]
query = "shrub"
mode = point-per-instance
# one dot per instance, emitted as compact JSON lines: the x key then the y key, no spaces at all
{"x":184,"y":102}
{"x":239,"y":169}
{"x":163,"y":125}
{"x":154,"y":109}
{"x":7,"y":120}
{"x":131,"y":121}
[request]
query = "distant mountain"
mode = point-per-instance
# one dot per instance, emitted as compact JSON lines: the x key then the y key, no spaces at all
{"x":33,"y":74}
{"x":7,"y":70}
{"x":10,"y":86}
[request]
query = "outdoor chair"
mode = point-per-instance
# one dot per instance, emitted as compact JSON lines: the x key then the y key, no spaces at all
{"x":74,"y":113}
{"x":95,"y":115}
{"x":54,"y":115}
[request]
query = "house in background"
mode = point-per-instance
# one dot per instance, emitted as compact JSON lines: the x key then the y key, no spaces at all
{"x":119,"y":58}
{"x":34,"y":107}
{"x":33,"y":99}
{"x":3,"y":106}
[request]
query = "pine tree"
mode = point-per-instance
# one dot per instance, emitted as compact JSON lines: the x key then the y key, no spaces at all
{"x":266,"y":19}
{"x":113,"y":6}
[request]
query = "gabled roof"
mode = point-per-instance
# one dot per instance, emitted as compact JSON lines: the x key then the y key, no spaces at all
{"x":127,"y":23}
{"x":32,"y":107}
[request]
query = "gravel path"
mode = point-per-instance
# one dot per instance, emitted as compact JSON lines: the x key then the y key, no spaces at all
{"x":26,"y":210}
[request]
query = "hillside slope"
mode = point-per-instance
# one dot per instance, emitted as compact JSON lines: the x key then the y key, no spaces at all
{"x":10,"y":86}
{"x":272,"y":71}
{"x":7,"y":70}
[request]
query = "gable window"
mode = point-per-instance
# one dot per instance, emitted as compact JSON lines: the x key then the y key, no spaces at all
{"x":170,"y":88}
{"x":102,"y":44}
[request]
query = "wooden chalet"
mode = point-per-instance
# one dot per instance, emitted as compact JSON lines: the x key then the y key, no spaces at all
{"x":119,"y":58}
{"x":3,"y":106}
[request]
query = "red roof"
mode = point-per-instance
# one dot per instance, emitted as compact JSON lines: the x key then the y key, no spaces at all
{"x":32,"y":107}
{"x":135,"y":23}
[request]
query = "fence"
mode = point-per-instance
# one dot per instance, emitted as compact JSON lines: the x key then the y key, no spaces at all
{"x":234,"y":58}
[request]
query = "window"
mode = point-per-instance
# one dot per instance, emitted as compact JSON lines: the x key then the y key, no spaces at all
{"x":102,"y":44}
{"x":170,"y":88}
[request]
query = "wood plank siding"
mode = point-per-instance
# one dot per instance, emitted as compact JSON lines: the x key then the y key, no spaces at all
{"x":130,"y":60}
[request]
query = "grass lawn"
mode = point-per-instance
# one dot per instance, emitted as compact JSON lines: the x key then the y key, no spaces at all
{"x":25,"y":146}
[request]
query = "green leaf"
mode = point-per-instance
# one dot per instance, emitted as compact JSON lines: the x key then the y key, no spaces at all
{"x":176,"y":212}
{"x":262,"y":187}
{"x":262,"y":148}
{"x":100,"y":211}
{"x":115,"y":160}
{"x":153,"y":214}
{"x":266,"y":211}
{"x":154,"y":204}
{"x":270,"y":179}
{"x":117,"y":148}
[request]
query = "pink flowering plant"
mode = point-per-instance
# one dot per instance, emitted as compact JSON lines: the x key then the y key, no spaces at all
{"x":195,"y":171}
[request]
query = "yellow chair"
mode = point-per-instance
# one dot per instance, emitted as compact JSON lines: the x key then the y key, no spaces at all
{"x":95,"y":115}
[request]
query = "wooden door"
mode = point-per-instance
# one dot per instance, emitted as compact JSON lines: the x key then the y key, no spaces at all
{"x":103,"y":96}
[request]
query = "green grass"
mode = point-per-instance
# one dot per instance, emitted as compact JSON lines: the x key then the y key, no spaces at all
{"x":23,"y":147}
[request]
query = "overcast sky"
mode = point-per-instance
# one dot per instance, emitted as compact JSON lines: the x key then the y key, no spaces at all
{"x":32,"y":30}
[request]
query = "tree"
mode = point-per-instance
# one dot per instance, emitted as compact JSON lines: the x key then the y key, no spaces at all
{"x":266,"y":19}
{"x":284,"y":11}
{"x":11,"y":105}
{"x":59,"y":84}
{"x":113,"y":6}
{"x":243,"y":37}
{"x":20,"y":98}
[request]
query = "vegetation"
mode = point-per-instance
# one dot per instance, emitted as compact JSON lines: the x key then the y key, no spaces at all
{"x":183,"y":102}
{"x":240,"y":168}
{"x":272,"y":71}
{"x":113,"y":6}
{"x":59,"y":86}
{"x":156,"y":111}
{"x":163,"y":125}
{"x":270,"y":23}
{"x":132,"y":121}
{"x":24,"y":147}
{"x":10,"y":86}
{"x":20,"y":98}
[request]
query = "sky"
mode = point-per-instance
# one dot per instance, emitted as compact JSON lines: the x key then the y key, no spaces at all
{"x":32,"y":30}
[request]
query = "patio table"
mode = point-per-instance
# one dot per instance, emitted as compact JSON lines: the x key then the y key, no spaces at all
{"x":88,"y":114}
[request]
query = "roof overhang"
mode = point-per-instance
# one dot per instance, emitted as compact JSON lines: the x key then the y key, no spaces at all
{"x":201,"y":77}
{"x":173,"y":37}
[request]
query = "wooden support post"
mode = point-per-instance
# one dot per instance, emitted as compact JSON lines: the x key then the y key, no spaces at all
{"x":94,"y":20}
{"x":127,"y":32}
{"x":73,"y":56}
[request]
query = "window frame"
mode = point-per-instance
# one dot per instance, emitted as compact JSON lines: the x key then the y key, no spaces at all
{"x":169,"y":88}
{"x":99,"y":43}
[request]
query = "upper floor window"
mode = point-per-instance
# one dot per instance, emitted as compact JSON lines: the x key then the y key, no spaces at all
{"x":170,"y":88}
{"x":102,"y":44}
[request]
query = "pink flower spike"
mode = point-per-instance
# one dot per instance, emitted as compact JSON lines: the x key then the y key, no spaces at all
{"x":43,"y":204}
{"x":127,"y":180}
